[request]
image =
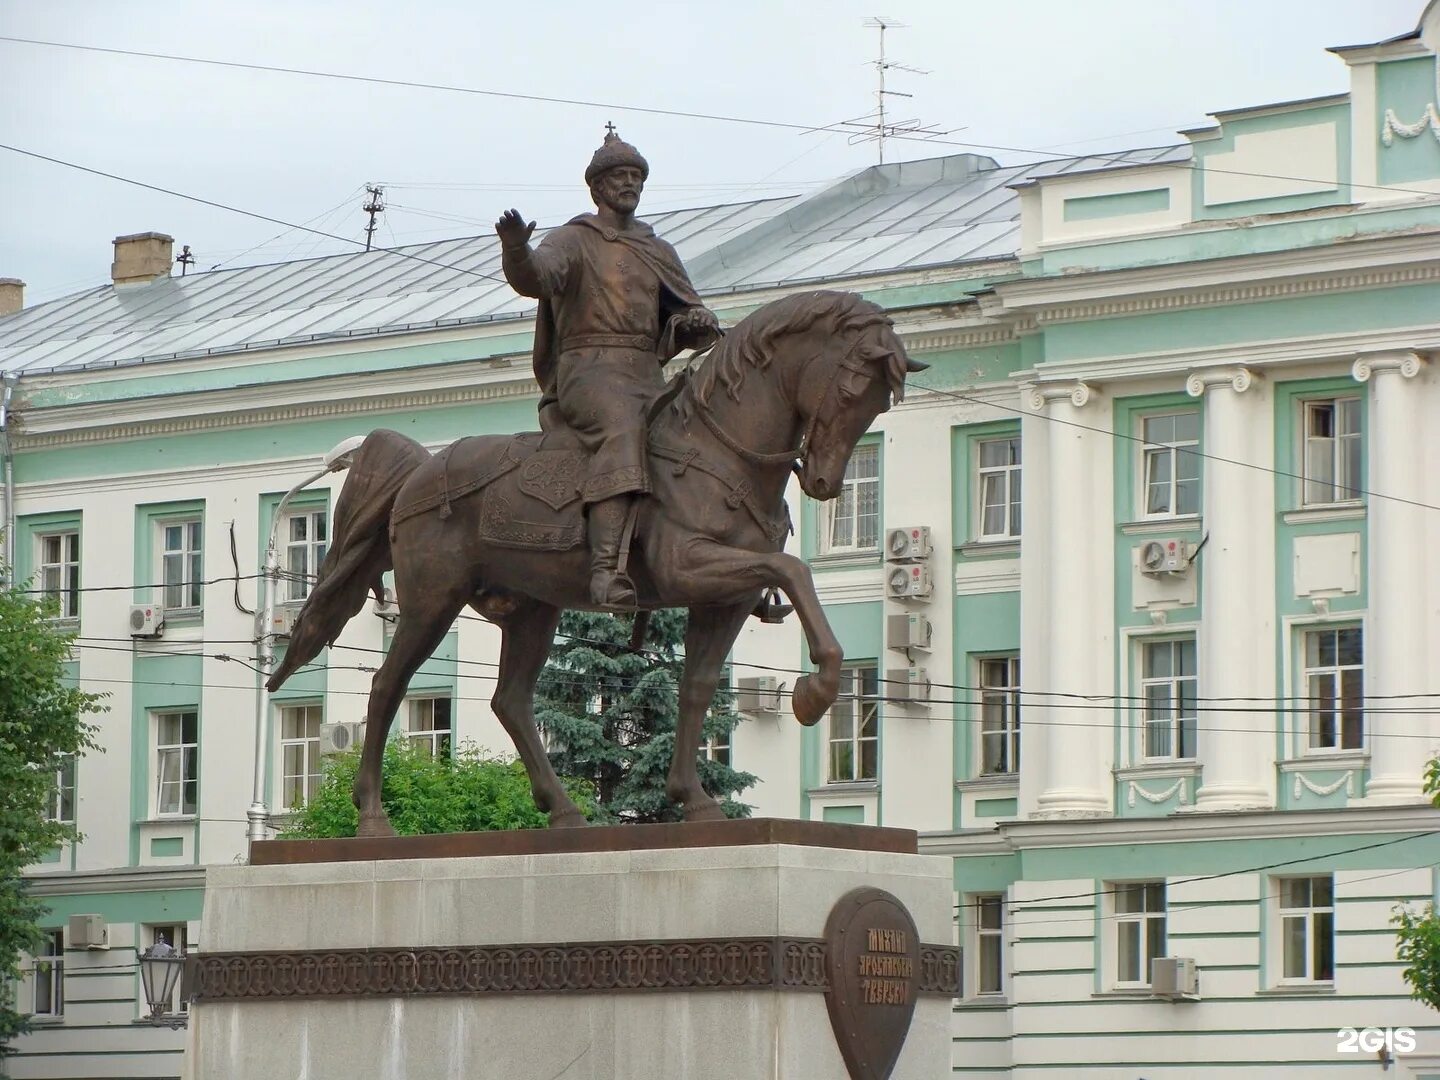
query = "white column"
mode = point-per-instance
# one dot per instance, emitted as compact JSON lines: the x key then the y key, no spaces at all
{"x":1395,"y":629}
{"x":1036,"y":511}
{"x":1236,"y":643}
{"x":1080,"y":620}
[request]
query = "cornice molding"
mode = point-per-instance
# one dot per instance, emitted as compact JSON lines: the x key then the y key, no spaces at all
{"x":131,"y":879}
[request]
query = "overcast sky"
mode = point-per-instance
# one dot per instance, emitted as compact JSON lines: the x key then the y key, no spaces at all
{"x":1058,"y":76}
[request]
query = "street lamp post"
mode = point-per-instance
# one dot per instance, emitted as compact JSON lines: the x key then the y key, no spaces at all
{"x":336,"y":460}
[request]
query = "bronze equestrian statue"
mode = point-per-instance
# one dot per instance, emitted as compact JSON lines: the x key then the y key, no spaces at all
{"x":498,"y":523}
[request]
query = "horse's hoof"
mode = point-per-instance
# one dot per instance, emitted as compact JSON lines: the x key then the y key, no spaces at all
{"x":808,"y":701}
{"x":571,"y":818}
{"x":378,"y":825}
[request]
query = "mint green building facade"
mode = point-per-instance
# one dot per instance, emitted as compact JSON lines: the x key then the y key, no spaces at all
{"x":1152,"y":658}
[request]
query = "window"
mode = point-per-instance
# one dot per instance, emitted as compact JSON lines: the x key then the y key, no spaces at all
{"x":429,"y":725}
{"x":990,"y":944}
{"x":1168,"y":686}
{"x":1172,"y":464}
{"x":1307,"y":928}
{"x":61,"y":807}
{"x":1000,"y":715}
{"x":999,"y":489}
{"x":716,"y":748}
{"x":306,"y":535}
{"x":1139,"y":929}
{"x":177,"y":762}
{"x":851,"y":521}
{"x":855,"y":726}
{"x":299,"y":754}
{"x":174,"y":935}
{"x":1332,"y":451}
{"x":181,"y":564}
{"x":1335,"y":688}
{"x":60,"y":570}
{"x":49,"y":972}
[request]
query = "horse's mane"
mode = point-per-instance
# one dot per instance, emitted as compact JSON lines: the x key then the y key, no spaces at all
{"x":751,"y":343}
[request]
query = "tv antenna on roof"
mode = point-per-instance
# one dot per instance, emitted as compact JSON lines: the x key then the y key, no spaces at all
{"x":876,"y":125}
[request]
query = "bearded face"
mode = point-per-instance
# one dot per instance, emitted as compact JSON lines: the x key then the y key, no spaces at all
{"x":618,"y":188}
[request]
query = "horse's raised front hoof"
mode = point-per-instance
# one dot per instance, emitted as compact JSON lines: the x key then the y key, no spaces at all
{"x":375,"y":825}
{"x":809,"y":701}
{"x":569,"y":818}
{"x":704,"y":810}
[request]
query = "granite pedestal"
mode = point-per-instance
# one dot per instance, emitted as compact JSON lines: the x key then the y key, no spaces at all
{"x":304,"y":1007}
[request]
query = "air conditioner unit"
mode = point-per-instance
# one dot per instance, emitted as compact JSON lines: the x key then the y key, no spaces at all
{"x":908,"y":582}
{"x":757,"y":694}
{"x":282,"y":624}
{"x":909,"y":686}
{"x":146,"y":620}
{"x":1168,"y":556}
{"x":1174,"y":977}
{"x":908,"y":543}
{"x":87,"y":932}
{"x":387,"y":608}
{"x":337,"y":738}
{"x":908,"y":630}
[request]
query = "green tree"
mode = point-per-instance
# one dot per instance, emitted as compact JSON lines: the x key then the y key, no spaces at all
{"x":42,"y":728}
{"x":470,"y":792}
{"x":610,"y":714}
{"x":1417,"y":932}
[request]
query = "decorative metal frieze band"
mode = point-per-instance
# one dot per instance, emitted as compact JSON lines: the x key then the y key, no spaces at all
{"x":605,"y":967}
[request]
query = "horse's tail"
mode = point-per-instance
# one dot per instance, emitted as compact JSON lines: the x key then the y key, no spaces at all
{"x":359,"y":551}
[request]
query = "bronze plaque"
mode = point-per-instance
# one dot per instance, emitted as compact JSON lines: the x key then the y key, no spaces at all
{"x":873,"y":967}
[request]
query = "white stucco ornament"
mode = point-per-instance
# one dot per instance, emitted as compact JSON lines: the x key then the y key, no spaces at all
{"x":1429,"y":120}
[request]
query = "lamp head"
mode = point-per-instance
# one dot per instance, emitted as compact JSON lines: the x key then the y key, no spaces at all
{"x":342,"y":455}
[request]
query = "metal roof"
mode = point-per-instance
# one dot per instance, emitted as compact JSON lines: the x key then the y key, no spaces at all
{"x":940,"y":211}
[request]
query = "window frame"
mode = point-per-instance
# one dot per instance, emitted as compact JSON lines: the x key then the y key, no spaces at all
{"x":1305,"y":405}
{"x":828,"y":512}
{"x":192,"y":562}
{"x":1012,"y":476}
{"x":1142,"y":921}
{"x":867,"y":711}
{"x":440,"y":741}
{"x":1010,"y":704}
{"x":299,"y":582}
{"x":68,"y":593}
{"x":159,"y":749}
{"x":1307,"y":915}
{"x":53,"y":960}
{"x":992,"y":939}
{"x":1309,"y":700}
{"x":1176,"y":723}
{"x":1173,"y":451}
{"x":56,"y":803}
{"x":314,"y":773}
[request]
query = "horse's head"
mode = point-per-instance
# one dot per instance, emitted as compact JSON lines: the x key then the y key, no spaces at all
{"x":859,"y":371}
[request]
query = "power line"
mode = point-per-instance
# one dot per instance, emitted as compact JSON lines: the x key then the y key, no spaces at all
{"x":656,"y":111}
{"x":289,"y":225}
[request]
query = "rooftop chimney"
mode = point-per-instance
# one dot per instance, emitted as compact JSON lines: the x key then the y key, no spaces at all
{"x":141,"y":258}
{"x":12,"y":295}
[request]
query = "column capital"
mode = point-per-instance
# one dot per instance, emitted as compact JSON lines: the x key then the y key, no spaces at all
{"x":1239,"y":379}
{"x":1402,"y":361}
{"x":1039,"y":396}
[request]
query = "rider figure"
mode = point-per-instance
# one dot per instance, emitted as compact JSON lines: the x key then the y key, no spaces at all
{"x":615,"y":305}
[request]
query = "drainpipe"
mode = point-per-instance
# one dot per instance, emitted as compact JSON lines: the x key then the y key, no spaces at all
{"x":7,"y":458}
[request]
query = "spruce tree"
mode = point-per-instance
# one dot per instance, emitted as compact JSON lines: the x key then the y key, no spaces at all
{"x":609,"y":714}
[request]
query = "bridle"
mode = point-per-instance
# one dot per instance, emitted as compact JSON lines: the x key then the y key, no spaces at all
{"x":796,"y":457}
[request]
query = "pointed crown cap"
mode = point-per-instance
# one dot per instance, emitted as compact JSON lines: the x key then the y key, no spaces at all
{"x":613,"y":152}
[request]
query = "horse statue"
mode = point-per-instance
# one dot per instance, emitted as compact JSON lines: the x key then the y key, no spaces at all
{"x":494,"y":522}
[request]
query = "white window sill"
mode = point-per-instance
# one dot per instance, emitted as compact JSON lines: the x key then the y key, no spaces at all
{"x":1154,"y":526}
{"x":170,"y":819}
{"x":1160,"y":767}
{"x":46,"y":1021}
{"x":1124,"y":992}
{"x":835,"y":559}
{"x":1323,"y":512}
{"x":998,"y":546}
{"x":1326,"y":759}
{"x":845,"y":788}
{"x":1297,"y":990}
{"x":989,"y":782}
{"x":983,"y":1001}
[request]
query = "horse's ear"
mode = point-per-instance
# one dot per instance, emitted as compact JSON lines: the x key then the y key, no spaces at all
{"x":913,"y":366}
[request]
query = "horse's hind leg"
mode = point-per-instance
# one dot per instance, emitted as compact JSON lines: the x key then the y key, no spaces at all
{"x":708,"y":637}
{"x":425,"y":618}
{"x":526,"y":636}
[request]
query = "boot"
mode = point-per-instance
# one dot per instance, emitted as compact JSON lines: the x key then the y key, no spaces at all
{"x":608,"y":587}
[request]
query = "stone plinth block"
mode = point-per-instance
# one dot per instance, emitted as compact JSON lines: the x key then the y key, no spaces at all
{"x":669,"y":962}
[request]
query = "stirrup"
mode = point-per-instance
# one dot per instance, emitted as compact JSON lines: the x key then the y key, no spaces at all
{"x":613,"y":591}
{"x":770,"y":609}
